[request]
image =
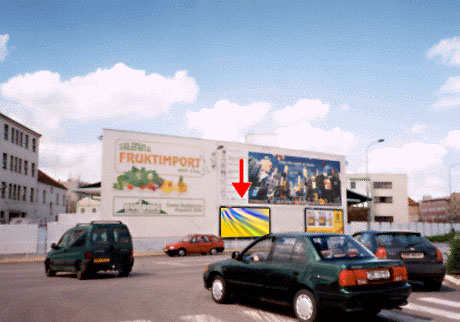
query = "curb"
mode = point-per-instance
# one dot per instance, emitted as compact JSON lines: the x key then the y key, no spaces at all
{"x":452,"y":279}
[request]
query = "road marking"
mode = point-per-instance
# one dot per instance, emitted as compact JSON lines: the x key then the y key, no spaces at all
{"x":439,"y":301}
{"x":421,"y":308}
{"x":137,"y":321}
{"x":266,"y":317}
{"x":200,"y":318}
{"x":174,"y":264}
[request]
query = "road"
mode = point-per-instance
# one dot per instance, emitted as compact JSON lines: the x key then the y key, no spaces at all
{"x":168,"y":289}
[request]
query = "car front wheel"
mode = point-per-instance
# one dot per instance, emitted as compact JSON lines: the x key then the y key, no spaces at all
{"x":305,"y":306}
{"x":80,"y":271}
{"x":181,"y":252}
{"x":49,"y":272}
{"x":213,"y":251}
{"x":219,"y":290}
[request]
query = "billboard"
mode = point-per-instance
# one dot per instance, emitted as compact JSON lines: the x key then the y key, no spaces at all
{"x":244,"y":222}
{"x":282,"y":179}
{"x":321,"y":220}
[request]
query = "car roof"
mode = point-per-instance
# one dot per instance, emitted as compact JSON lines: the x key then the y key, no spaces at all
{"x":377,"y":232}
{"x":304,"y":234}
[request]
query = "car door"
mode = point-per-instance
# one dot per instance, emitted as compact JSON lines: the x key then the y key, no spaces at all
{"x":206,"y":244}
{"x":286,"y":263}
{"x":75,"y":248}
{"x":193,"y":247}
{"x":247,"y":273}
{"x":59,"y":255}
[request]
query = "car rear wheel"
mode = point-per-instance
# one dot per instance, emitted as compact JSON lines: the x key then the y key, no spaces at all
{"x":48,"y":271}
{"x":181,"y":252}
{"x":81,"y":273}
{"x":213,"y":251}
{"x":219,"y":290}
{"x":433,"y":285}
{"x":124,"y":270}
{"x":305,"y":306}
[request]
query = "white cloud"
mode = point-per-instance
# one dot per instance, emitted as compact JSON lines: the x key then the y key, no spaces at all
{"x":59,"y":160}
{"x":226,"y":121}
{"x":303,"y":110}
{"x":105,"y":93}
{"x":304,"y":136}
{"x":451,"y":86}
{"x":3,"y":51}
{"x":448,"y":49}
{"x":452,"y":140}
{"x":344,"y":107}
{"x":418,"y":128}
{"x":450,"y":93}
{"x":409,"y":158}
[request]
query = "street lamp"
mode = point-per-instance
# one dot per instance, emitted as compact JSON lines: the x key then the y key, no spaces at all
{"x":368,"y":181}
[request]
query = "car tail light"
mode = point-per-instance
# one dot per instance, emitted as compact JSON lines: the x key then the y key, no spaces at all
{"x":347,"y":278}
{"x":88,"y":256}
{"x":399,"y":274}
{"x":439,"y":258}
{"x":381,"y":253}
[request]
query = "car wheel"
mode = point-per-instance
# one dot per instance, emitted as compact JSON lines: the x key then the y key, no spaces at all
{"x":48,"y":271}
{"x":81,"y":273}
{"x":219,"y":290}
{"x":124,"y":270}
{"x":433,"y":285}
{"x":213,"y":251}
{"x":305,"y":306}
{"x":181,"y":252}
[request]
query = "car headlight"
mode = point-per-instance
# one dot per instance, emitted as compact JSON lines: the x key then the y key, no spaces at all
{"x":206,"y":268}
{"x":171,"y":247}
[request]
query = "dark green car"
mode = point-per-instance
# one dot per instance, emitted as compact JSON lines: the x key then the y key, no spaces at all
{"x":88,"y":248}
{"x":311,"y":272}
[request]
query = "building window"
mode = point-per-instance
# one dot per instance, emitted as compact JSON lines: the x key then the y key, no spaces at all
{"x":16,"y":159}
{"x":20,"y":166}
{"x":384,"y":218}
{"x":25,"y":194}
{"x":10,"y":191}
{"x":352,"y":185}
{"x":14,"y":192}
{"x":5,"y":132}
{"x":94,"y":210}
{"x":21,"y":138}
{"x":34,"y":145}
{"x":3,"y":190}
{"x":26,"y":141}
{"x":5,"y":161}
{"x":32,"y":191}
{"x":32,"y":170}
{"x":11,"y":163}
{"x":44,"y":196}
{"x":12,"y":135}
{"x":383,"y":185}
{"x":26,"y":167}
{"x":82,"y":210}
{"x":57,"y":199}
{"x":383,"y":199}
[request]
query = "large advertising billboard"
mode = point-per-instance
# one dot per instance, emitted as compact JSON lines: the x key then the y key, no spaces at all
{"x":237,"y":222}
{"x":321,"y":220}
{"x":282,"y":179}
{"x":157,"y":179}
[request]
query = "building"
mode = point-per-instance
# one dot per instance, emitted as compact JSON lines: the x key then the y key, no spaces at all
{"x":454,"y":207}
{"x":414,"y":210}
{"x":388,"y":193}
{"x":22,"y":184}
{"x":166,"y":186}
{"x":51,"y":199}
{"x":88,"y":205}
{"x":434,"y":209}
{"x":72,"y":196}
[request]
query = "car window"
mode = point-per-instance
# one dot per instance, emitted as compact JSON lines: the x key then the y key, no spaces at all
{"x":206,"y":239}
{"x":358,"y":237}
{"x":121,"y":235}
{"x":64,"y":241}
{"x":195,"y":239}
{"x":78,"y":238}
{"x":100,"y":236}
{"x":282,"y":249}
{"x":398,"y":240}
{"x":298,"y":253}
{"x":333,"y":247}
{"x":366,"y":241}
{"x":259,"y":252}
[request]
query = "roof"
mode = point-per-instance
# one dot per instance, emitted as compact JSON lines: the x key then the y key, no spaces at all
{"x":412,"y":203}
{"x":45,"y":179}
{"x":91,"y":185}
{"x":19,"y":124}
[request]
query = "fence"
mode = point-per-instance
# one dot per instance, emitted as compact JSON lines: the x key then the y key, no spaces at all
{"x":28,"y":239}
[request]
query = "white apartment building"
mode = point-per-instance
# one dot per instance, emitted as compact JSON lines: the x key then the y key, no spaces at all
{"x":389,"y":194}
{"x":88,"y":205}
{"x":51,"y":199}
{"x":21,"y":190}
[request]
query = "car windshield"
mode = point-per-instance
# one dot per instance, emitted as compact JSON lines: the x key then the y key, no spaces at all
{"x":400,"y":240}
{"x":186,"y":239}
{"x":339,"y":247}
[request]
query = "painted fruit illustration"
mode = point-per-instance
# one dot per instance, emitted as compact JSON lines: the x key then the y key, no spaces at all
{"x":167,"y":186}
{"x":181,"y":185}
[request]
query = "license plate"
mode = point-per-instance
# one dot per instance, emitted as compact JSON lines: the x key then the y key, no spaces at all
{"x":412,"y":255}
{"x":101,"y":260}
{"x":378,"y":275}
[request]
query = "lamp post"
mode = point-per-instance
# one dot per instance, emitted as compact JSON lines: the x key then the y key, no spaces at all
{"x":368,"y":182}
{"x":450,"y":189}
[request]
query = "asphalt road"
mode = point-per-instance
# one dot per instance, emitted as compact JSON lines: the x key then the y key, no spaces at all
{"x":168,"y":289}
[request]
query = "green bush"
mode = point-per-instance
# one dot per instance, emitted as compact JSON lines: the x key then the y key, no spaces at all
{"x":442,"y":238}
{"x":453,"y":261}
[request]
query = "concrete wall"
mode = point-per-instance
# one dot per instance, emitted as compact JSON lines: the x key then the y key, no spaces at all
{"x":18,"y":239}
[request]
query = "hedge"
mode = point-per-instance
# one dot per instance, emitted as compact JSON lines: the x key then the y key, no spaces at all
{"x":453,"y":261}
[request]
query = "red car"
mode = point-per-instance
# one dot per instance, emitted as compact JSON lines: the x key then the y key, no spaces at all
{"x":196,"y":244}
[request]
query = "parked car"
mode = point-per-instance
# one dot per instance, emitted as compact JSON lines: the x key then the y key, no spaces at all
{"x":423,"y":261}
{"x":311,"y":272}
{"x":196,"y":244}
{"x":89,"y":248}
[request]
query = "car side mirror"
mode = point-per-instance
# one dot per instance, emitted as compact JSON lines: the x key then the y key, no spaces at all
{"x":54,"y":246}
{"x":236,"y":255}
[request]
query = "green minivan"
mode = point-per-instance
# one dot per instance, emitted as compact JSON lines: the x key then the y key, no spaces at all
{"x":88,"y":248}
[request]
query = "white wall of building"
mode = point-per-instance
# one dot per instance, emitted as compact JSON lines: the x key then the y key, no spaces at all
{"x":397,"y":208}
{"x":208,"y":185}
{"x":88,"y":205}
{"x":50,"y":202}
{"x":18,"y":239}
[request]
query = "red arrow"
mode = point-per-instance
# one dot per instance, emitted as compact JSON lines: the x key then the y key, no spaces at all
{"x":241,"y":187}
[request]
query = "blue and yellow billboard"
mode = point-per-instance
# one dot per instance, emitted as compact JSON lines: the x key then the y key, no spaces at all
{"x":237,"y":222}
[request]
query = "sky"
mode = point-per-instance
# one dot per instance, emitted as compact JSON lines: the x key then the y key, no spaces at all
{"x":324,"y":76}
